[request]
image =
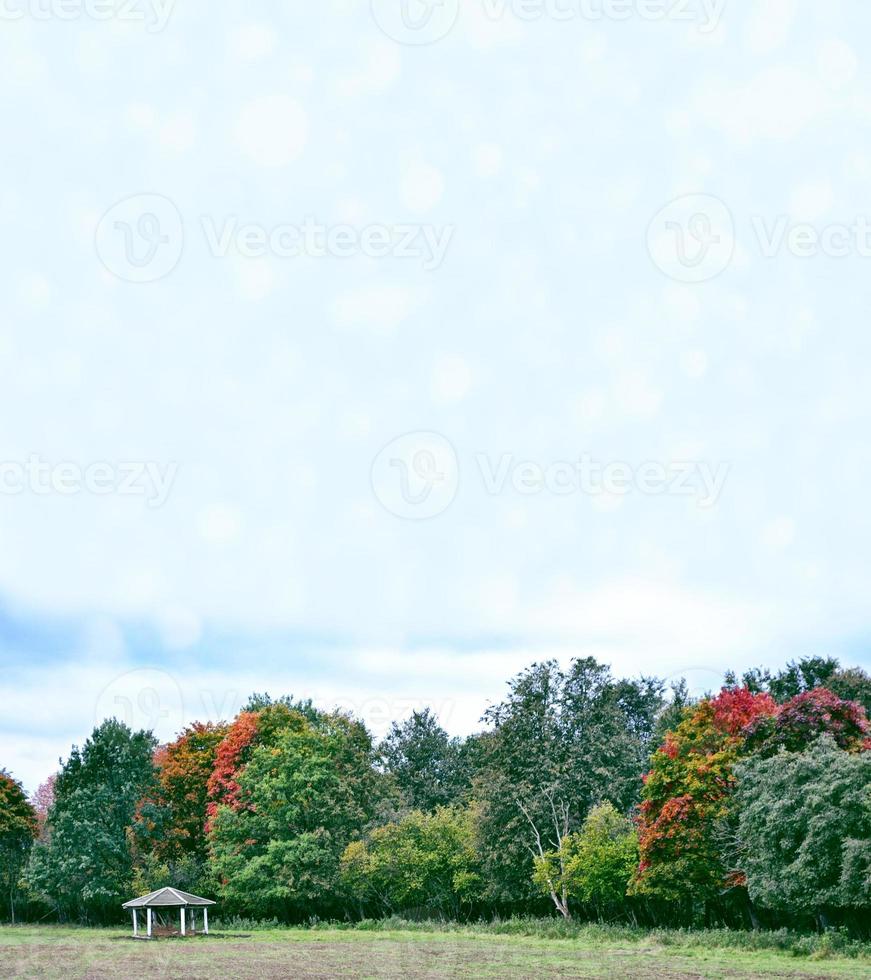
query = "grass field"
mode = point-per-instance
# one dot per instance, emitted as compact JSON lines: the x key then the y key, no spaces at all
{"x":56,"y":952}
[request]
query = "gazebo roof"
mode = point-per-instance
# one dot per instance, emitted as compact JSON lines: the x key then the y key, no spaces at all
{"x":167,"y":898}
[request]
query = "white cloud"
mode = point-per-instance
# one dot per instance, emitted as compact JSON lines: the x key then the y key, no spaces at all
{"x":421,"y":188}
{"x":382,"y":67}
{"x":777,"y":104}
{"x":837,"y":63}
{"x":811,"y":200}
{"x":451,"y":379}
{"x":253,"y":41}
{"x":378,"y":309}
{"x":178,"y":134}
{"x":694,"y":364}
{"x":272,"y":130}
{"x":219,"y":524}
{"x":488,"y":159}
{"x":636,"y":623}
{"x":768,"y":25}
{"x":546,"y":332}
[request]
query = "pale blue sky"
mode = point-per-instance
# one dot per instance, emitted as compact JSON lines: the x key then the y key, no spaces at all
{"x":278,"y":395}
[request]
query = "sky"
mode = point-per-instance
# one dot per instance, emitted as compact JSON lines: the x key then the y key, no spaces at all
{"x":372,"y":351}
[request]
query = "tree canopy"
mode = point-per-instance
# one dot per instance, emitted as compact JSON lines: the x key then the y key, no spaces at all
{"x":804,"y":828}
{"x":85,"y":866}
{"x":584,"y":794}
{"x":18,"y":829}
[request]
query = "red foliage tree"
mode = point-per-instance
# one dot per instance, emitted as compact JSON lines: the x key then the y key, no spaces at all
{"x":174,"y":816}
{"x":42,"y":800}
{"x":735,"y":709}
{"x":231,"y":754}
{"x":804,"y":718}
{"x":686,"y":793}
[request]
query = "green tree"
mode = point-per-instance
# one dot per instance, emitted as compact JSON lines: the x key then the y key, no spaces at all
{"x":425,"y":861}
{"x":301,"y":798}
{"x":427,"y":764}
{"x":85,"y":866}
{"x":18,"y":829}
{"x":674,"y":711}
{"x":304,"y":706}
{"x":802,"y":676}
{"x":562,"y":741}
{"x":804,"y":827}
{"x":853,"y":684}
{"x":596,"y":864}
{"x":169,"y":834}
{"x":796,"y":678}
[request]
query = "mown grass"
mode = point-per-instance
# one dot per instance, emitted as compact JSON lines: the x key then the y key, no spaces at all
{"x":832,"y":943}
{"x":392,"y":948}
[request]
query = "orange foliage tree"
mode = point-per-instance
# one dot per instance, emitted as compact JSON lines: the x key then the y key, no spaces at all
{"x":686,"y":793}
{"x":684,"y":815}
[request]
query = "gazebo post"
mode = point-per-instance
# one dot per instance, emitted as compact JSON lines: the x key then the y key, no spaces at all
{"x":159,"y":906}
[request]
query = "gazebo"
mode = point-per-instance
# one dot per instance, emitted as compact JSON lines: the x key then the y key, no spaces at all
{"x":169,"y":898}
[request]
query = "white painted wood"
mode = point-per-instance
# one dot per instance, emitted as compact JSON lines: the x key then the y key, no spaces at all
{"x":148,"y":917}
{"x":205,"y":920}
{"x":135,"y":924}
{"x":182,"y":922}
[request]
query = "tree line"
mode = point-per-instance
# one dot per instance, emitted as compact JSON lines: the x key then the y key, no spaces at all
{"x":584,"y":795}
